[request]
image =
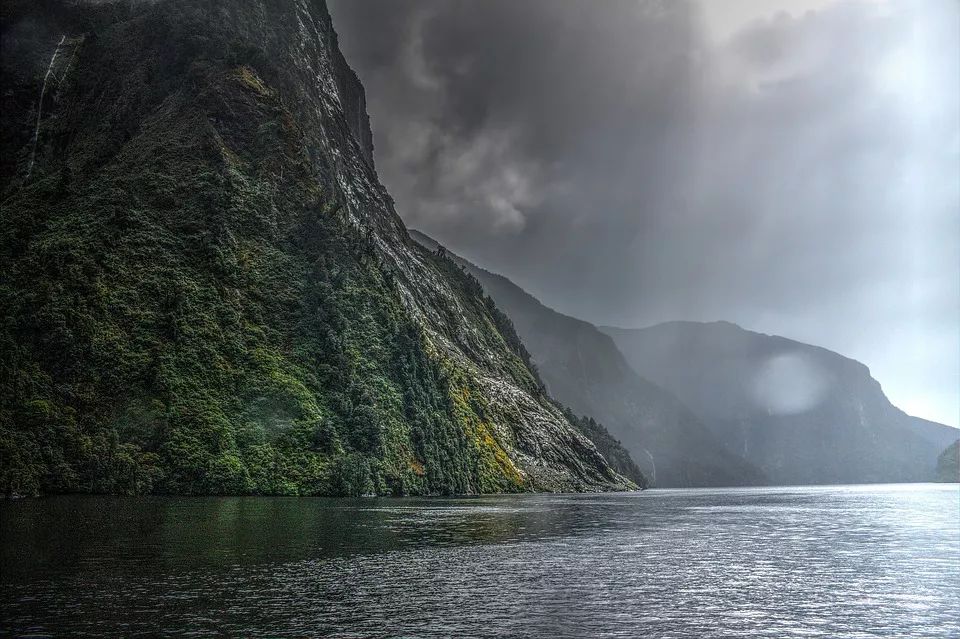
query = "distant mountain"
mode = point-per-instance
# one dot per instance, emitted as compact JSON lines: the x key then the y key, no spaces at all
{"x":802,"y":414}
{"x":948,"y":463}
{"x":582,"y":367}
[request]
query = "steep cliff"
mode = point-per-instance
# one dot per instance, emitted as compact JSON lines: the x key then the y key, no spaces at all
{"x":583,"y":368}
{"x":802,"y":414}
{"x":207,"y":290}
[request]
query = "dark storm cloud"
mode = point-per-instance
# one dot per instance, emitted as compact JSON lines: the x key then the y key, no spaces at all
{"x":798,"y":177}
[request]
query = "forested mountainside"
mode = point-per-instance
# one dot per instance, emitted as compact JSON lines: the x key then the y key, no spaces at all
{"x":609,"y":446}
{"x":802,"y":414}
{"x":207,"y":290}
{"x":583,"y":368}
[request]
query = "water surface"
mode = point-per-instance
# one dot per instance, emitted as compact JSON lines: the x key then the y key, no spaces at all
{"x":853,"y":561}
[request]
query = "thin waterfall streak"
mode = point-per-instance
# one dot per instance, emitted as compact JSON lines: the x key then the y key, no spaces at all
{"x":66,"y":72}
{"x":43,"y":92}
{"x":653,"y":462}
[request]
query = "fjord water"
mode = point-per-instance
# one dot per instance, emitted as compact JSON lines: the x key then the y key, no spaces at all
{"x":846,"y":561}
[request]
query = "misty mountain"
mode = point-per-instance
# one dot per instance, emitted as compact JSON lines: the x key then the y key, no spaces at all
{"x":948,"y":463}
{"x":207,"y":290}
{"x":583,"y":368}
{"x":802,"y":414}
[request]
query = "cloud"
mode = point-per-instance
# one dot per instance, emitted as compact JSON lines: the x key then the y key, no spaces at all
{"x":633,"y":162}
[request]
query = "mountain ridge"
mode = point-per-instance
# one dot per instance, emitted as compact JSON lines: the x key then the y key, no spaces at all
{"x":208,"y":290}
{"x":583,"y":368}
{"x":757,"y":392}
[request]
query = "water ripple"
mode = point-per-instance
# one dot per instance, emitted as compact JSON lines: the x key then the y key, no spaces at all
{"x":879,"y":561}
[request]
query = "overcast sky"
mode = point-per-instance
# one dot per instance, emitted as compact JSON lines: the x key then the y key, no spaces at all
{"x":793,"y":167}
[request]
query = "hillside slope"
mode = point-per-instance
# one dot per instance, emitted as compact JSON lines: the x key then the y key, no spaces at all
{"x":948,"y":464}
{"x":802,"y":414}
{"x":583,"y":368}
{"x":207,"y":290}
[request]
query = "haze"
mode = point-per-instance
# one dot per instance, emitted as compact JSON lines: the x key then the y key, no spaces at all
{"x":791,"y":167}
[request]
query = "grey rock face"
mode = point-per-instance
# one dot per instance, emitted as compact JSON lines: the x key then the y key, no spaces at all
{"x":547,"y":451}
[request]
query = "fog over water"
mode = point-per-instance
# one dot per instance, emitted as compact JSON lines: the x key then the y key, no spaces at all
{"x":789,"y":166}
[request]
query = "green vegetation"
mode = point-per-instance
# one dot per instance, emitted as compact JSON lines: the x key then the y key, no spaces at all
{"x":612,"y":450}
{"x":191,"y":307}
{"x":188,"y":321}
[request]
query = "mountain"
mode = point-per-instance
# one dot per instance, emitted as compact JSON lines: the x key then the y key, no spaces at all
{"x":583,"y":368}
{"x":610,"y":447}
{"x":948,"y":463}
{"x":207,"y":290}
{"x":802,"y":414}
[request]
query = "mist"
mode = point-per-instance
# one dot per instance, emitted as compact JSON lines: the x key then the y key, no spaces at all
{"x":791,"y":167}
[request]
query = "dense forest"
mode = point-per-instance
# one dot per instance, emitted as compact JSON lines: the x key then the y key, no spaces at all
{"x":206,"y":291}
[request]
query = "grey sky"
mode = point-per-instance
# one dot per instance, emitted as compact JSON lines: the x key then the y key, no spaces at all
{"x":790,"y":166}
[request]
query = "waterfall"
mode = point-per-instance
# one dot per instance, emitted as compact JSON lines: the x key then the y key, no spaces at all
{"x":653,"y":479}
{"x":43,"y":91}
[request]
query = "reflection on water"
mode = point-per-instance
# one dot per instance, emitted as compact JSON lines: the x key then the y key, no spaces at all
{"x":857,"y":561}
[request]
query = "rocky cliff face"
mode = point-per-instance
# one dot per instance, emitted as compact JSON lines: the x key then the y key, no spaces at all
{"x":583,"y":368}
{"x":802,"y":414}
{"x":208,"y":290}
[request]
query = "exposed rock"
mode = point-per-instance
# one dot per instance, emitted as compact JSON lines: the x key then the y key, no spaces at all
{"x":583,"y":368}
{"x":208,"y":289}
